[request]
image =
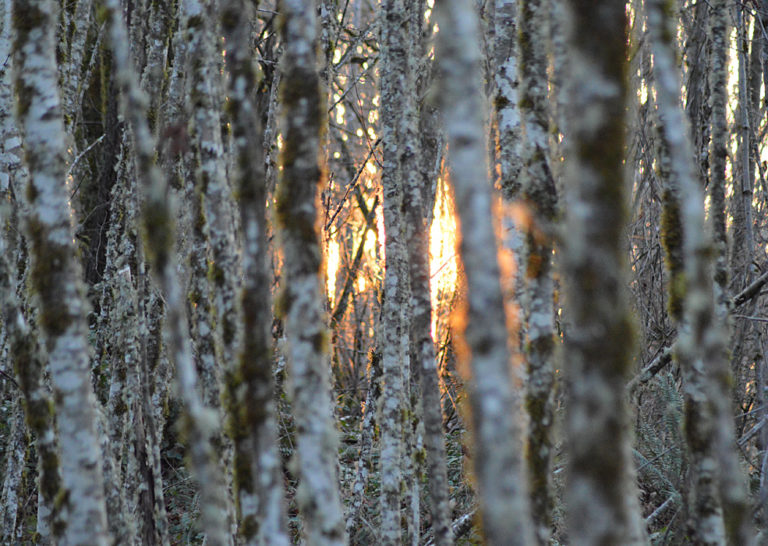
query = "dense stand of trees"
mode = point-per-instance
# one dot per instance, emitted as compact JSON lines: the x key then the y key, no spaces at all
{"x":399,"y":272}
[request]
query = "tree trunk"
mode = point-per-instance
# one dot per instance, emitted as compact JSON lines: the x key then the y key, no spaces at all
{"x":424,"y":366}
{"x":301,"y":127}
{"x":538,"y":189}
{"x":495,"y":406}
{"x":250,"y":386}
{"x":393,"y":334}
{"x":680,"y":186}
{"x":598,"y":343}
{"x":198,"y":422}
{"x":55,"y":271}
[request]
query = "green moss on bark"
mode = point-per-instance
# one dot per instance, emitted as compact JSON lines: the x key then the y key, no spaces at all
{"x":45,"y":278}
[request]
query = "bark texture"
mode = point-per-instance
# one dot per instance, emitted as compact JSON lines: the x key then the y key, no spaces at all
{"x":199,"y":424}
{"x":495,"y":406}
{"x":392,"y":336}
{"x":55,"y":271}
{"x":416,"y":218}
{"x":599,"y":340}
{"x":538,"y":189}
{"x":506,"y":97}
{"x":681,"y":186}
{"x":301,"y":126}
{"x":250,"y":386}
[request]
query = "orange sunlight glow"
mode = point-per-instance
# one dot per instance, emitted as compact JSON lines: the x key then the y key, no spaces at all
{"x":444,"y":266}
{"x":332,"y":262}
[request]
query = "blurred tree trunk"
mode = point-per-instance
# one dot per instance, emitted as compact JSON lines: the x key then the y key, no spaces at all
{"x":598,"y":343}
{"x":682,"y":223}
{"x":55,"y":272}
{"x":495,"y":405}
{"x":301,"y":126}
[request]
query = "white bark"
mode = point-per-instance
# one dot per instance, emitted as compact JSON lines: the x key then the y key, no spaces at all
{"x":55,"y":271}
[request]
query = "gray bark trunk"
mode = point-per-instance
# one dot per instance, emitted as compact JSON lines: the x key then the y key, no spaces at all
{"x":394,"y":42}
{"x":301,"y":126}
{"x":598,"y":344}
{"x":538,"y":189}
{"x":250,"y":386}
{"x":495,"y":406}
{"x":199,"y":424}
{"x":55,"y":271}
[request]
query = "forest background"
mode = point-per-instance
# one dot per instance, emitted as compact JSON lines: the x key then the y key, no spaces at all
{"x":397,"y":272}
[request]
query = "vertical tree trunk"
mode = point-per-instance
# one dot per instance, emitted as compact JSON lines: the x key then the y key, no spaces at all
{"x":250,"y":386}
{"x":495,"y":406}
{"x":423,"y":361}
{"x":301,"y":126}
{"x":72,"y":69}
{"x":680,"y":187}
{"x":599,"y":342}
{"x":736,"y":511}
{"x":13,"y":483}
{"x":55,"y":271}
{"x":538,"y":188}
{"x":394,"y":52}
{"x":198,"y":423}
{"x":718,"y":153}
{"x":30,"y":364}
{"x":506,"y":99}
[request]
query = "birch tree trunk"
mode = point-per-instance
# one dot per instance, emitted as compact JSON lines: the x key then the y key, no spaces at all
{"x":301,"y":126}
{"x":599,"y":341}
{"x":494,"y":404}
{"x":55,"y":271}
{"x":250,"y":386}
